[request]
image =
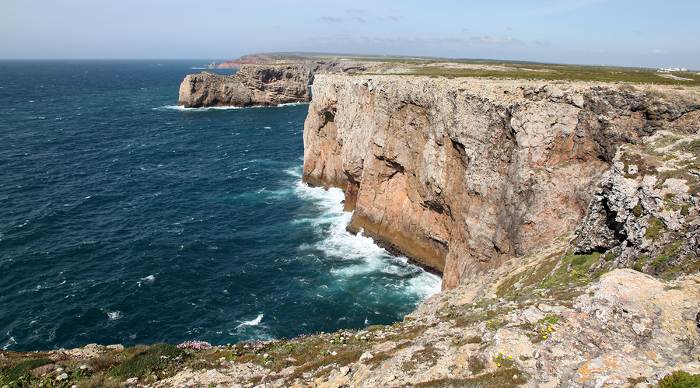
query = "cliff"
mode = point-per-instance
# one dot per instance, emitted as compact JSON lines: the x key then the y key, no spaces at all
{"x":265,"y":84}
{"x":462,"y":174}
{"x":251,"y":85}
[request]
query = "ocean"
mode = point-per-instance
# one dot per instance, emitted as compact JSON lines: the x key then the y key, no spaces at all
{"x":126,"y":219}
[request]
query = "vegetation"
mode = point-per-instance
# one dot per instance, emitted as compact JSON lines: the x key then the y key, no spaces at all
{"x":655,"y":228}
{"x":148,"y":361}
{"x":680,"y":379}
{"x":551,"y":72}
{"x":501,"y":378}
{"x":19,"y":374}
{"x":450,"y":67}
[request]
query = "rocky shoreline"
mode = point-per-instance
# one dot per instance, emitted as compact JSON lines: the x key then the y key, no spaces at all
{"x":564,"y":217}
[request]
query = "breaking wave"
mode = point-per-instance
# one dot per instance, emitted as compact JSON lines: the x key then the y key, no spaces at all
{"x":252,"y":322}
{"x":358,"y":255}
{"x":181,"y":108}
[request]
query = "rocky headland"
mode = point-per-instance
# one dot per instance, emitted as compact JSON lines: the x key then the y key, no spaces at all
{"x":563,"y":216}
{"x":259,"y":84}
{"x":463,"y":174}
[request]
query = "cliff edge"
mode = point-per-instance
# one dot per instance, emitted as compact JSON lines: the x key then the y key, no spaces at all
{"x":462,"y":174}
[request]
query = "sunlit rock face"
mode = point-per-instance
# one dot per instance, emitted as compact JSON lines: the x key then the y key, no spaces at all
{"x":461,"y":174}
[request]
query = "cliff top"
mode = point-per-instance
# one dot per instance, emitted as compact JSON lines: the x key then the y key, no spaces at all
{"x":511,"y":90}
{"x":448,"y":67}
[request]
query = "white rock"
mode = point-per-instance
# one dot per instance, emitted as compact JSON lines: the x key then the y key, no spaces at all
{"x":366,"y":356}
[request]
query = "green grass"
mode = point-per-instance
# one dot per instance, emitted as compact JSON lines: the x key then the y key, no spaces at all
{"x":18,"y":374}
{"x":573,"y":270}
{"x":501,"y":378}
{"x":655,"y":228}
{"x":680,"y":379}
{"x":560,"y":72}
{"x":155,"y":359}
{"x":430,"y":66}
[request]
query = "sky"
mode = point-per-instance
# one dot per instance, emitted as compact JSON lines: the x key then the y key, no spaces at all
{"x":599,"y":32}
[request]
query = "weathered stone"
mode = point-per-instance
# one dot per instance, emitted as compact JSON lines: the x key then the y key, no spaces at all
{"x":461,"y":174}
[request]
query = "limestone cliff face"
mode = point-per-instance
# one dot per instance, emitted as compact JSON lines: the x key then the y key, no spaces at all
{"x":251,"y":85}
{"x":461,"y":174}
{"x":263,"y":84}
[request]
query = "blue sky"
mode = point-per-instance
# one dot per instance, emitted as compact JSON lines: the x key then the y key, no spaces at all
{"x":614,"y":32}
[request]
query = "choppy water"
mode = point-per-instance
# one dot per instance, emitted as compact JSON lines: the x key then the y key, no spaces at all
{"x":124,"y":219}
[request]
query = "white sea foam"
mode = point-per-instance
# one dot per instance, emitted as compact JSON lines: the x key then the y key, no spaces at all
{"x":208,"y":108}
{"x":114,"y":315}
{"x":252,"y":322}
{"x":146,"y":280}
{"x":199,"y":68}
{"x":362,"y":254}
{"x":202,"y":109}
{"x":292,"y":104}
{"x":9,"y":342}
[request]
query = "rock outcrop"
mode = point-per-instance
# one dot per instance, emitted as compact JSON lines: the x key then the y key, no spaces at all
{"x":462,"y":174}
{"x":626,"y":329}
{"x":251,"y":85}
{"x":264,"y":84}
{"x":645,"y":215}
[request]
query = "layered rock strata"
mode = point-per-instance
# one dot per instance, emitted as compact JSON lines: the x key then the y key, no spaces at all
{"x":461,"y":174}
{"x":251,"y":85}
{"x":266,"y":84}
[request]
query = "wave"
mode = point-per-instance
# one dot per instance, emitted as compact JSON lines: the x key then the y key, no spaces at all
{"x":11,"y":341}
{"x":358,"y":254}
{"x":227,"y":107}
{"x":252,"y":322}
{"x":114,"y":315}
{"x":146,"y":280}
{"x":202,"y":109}
{"x":199,"y":68}
{"x":292,"y":104}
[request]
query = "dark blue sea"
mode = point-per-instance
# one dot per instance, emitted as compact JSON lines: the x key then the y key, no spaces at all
{"x":124,"y":219}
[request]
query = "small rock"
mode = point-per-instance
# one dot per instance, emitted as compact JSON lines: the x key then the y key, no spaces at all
{"x":116,"y":347}
{"x":554,"y":92}
{"x":62,"y":376}
{"x":83,"y":367}
{"x":132,"y":381}
{"x":366,"y":356}
{"x":576,"y":100}
{"x":344,"y":370}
